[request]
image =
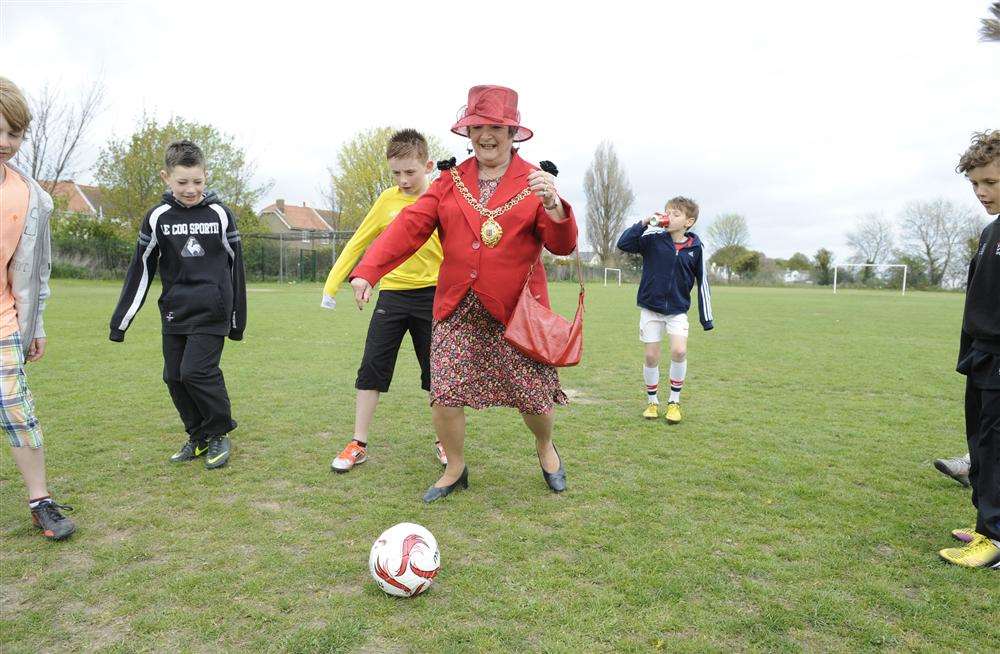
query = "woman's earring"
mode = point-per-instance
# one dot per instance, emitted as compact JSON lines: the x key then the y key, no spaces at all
{"x":468,"y":149}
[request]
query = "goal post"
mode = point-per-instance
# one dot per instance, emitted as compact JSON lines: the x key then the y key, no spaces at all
{"x":617,"y":270}
{"x":869,"y":265}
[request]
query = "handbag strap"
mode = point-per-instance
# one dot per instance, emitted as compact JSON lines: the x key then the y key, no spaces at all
{"x":579,"y":271}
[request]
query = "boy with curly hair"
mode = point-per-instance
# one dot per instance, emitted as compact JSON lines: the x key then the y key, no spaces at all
{"x":979,"y":361}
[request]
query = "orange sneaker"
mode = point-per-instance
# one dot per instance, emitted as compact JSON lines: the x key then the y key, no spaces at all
{"x":355,"y":453}
{"x":439,"y":449}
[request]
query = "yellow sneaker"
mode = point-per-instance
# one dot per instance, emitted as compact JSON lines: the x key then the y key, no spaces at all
{"x":980,"y":553}
{"x":673,"y":413}
{"x":652,"y":412}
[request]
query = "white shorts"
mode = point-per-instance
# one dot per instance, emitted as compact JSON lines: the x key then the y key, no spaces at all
{"x":652,"y":325}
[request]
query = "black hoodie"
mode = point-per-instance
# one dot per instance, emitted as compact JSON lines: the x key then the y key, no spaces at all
{"x":981,"y":322}
{"x":200,"y":258}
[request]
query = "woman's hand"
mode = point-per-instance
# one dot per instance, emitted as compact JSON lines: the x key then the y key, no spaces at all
{"x":362,"y":291}
{"x":36,"y":350}
{"x":543,"y":185}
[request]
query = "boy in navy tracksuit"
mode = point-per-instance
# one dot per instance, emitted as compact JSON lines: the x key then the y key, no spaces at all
{"x":192,"y":238}
{"x":672,"y":263}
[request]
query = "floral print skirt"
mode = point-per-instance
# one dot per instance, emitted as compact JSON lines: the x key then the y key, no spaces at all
{"x":472,"y":365}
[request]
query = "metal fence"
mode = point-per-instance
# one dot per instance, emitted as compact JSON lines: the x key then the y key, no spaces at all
{"x":304,"y":257}
{"x":297,"y":257}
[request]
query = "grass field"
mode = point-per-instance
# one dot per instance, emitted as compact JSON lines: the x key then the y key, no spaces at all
{"x":794,"y":509}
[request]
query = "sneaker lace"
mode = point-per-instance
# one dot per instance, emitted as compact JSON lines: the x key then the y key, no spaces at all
{"x":977,"y":543}
{"x":52,"y":509}
{"x":215,"y":446}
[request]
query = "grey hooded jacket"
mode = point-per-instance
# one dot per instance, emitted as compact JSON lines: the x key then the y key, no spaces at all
{"x":29,"y":268}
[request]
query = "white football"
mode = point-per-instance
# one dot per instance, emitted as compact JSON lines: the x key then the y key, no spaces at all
{"x":404,"y":560}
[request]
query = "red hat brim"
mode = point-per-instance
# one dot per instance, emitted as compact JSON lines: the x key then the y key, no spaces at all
{"x":462,"y":126}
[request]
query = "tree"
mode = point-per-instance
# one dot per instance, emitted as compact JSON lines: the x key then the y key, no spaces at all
{"x":361,"y":173}
{"x":329,"y":193}
{"x":916,"y":271}
{"x":58,"y":129}
{"x":748,"y":264}
{"x":990,"y":30}
{"x":609,"y":198}
{"x":727,"y":257}
{"x":871,"y":242}
{"x":726,"y":230}
{"x":800,"y":262}
{"x":824,"y":267}
{"x":128,"y":171}
{"x":933,"y":234}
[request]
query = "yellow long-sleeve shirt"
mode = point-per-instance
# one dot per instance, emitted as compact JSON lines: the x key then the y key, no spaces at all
{"x":419,"y":271}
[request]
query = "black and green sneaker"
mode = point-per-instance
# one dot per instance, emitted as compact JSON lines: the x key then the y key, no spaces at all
{"x":218,"y":452}
{"x":54,"y":525}
{"x":190,"y":451}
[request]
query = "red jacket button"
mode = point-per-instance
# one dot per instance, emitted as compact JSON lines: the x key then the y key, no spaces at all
{"x":475,"y":245}
{"x":473,"y":274}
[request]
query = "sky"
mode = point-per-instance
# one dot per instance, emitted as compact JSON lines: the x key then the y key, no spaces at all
{"x":802,"y":116}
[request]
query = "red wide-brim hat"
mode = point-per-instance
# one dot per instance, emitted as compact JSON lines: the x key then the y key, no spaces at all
{"x":491,"y":105}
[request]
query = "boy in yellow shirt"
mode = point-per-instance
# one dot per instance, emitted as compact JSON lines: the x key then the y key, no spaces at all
{"x":406,"y":298}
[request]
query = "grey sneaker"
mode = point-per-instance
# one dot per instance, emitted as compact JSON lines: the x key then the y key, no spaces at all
{"x":190,"y":451}
{"x":218,"y":452}
{"x":54,"y":525}
{"x":956,"y":468}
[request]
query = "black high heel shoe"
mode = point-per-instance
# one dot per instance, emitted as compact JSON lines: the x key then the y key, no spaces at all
{"x":437,"y":492}
{"x":556,"y":480}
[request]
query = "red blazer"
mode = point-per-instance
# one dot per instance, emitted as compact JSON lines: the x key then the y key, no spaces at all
{"x":495,"y":274}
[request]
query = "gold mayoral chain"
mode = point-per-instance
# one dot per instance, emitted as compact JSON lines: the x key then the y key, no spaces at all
{"x":491,"y":231}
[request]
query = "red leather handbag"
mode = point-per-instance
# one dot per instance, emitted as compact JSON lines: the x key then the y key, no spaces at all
{"x":542,"y":334}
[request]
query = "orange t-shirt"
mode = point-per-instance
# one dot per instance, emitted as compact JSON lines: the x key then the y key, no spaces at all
{"x":13,"y":207}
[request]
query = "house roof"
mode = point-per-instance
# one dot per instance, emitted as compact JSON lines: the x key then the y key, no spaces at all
{"x":304,"y":217}
{"x":79,"y":197}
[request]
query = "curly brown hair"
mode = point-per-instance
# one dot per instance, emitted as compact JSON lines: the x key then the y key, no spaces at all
{"x":984,"y":150}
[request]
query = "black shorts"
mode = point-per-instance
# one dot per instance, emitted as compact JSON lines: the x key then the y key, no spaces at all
{"x":395,"y":313}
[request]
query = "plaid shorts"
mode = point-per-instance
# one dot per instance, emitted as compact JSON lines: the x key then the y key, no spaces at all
{"x":17,"y":408}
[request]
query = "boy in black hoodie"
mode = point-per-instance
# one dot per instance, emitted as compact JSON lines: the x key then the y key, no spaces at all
{"x":979,"y":361}
{"x":193,"y":239}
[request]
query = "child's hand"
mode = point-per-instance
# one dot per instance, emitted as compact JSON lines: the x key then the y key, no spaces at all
{"x":36,"y":350}
{"x":362,"y":292}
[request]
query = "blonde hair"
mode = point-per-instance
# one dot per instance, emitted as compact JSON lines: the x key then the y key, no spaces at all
{"x":985,"y":149}
{"x":14,"y":106}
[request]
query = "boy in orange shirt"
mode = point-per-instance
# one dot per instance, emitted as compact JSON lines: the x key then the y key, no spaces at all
{"x":25,"y":261}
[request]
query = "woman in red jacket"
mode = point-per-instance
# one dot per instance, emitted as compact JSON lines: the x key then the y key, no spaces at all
{"x":494,"y":213}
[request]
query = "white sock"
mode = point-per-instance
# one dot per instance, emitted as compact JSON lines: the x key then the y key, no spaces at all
{"x":677,"y":373}
{"x":652,"y":378}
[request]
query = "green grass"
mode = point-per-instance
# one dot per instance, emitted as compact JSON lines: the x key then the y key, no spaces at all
{"x":794,"y":509}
